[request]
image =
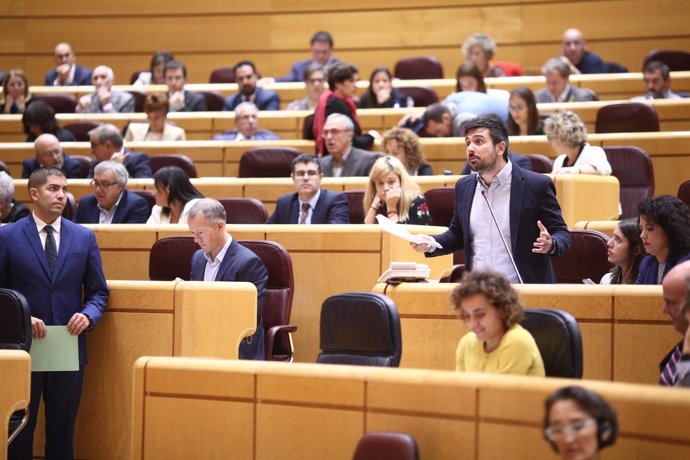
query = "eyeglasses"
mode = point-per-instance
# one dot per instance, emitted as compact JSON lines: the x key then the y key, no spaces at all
{"x":332,"y":132}
{"x":101,"y":185}
{"x":247,"y":117}
{"x":559,"y":431}
{"x":309,"y":173}
{"x":316,"y":81}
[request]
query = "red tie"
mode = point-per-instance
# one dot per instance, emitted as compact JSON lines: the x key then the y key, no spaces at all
{"x":303,"y":214}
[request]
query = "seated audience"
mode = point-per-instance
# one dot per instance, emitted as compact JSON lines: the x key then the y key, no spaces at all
{"x":381,"y":93}
{"x":574,"y":48}
{"x":179,"y":98}
{"x":246,"y":126}
{"x":107,"y":144}
{"x":49,"y":153}
{"x":391,"y":192}
{"x":403,"y":144}
{"x":174,"y":194}
{"x":344,"y":159}
{"x":104,"y":99}
{"x":468,"y":77}
{"x":665,"y":233}
{"x":523,"y":117}
{"x":339,"y":98}
{"x":578,"y":423}
{"x":156,"y":74}
{"x":558,"y":88}
{"x":310,"y":204}
{"x":472,"y":98}
{"x":567,"y":135}
{"x":657,"y":82}
{"x":15,"y":92}
{"x":314,"y":79}
{"x":158,"y":128}
{"x":246,"y":79}
{"x":625,"y":252}
{"x":222,"y":258}
{"x":321,"y":53}
{"x":496,"y":343}
{"x":111,"y":203}
{"x":67,"y":72}
{"x":39,"y":118}
{"x":10,"y":209}
{"x":479,"y":49}
{"x":675,"y":366}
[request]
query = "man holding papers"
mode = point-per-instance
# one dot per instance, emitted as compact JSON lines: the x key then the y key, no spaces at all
{"x":52,"y":261}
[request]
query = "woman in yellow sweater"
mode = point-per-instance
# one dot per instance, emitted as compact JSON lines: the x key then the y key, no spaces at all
{"x":496,"y":343}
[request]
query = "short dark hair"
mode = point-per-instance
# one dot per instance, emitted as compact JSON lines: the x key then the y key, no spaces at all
{"x":172,"y":65}
{"x":533,"y":120}
{"x":40,"y":176}
{"x":161,"y":57}
{"x":469,"y":69}
{"x":242,"y":64}
{"x":435,"y":113}
{"x":41,"y":114}
{"x":340,"y":72}
{"x":590,"y":402}
{"x":673,"y":216}
{"x":322,"y":36}
{"x":497,"y":129}
{"x":305,"y":158}
{"x":653,"y":66}
{"x":180,"y":187}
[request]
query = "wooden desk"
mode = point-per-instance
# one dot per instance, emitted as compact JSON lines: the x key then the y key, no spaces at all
{"x":15,"y":381}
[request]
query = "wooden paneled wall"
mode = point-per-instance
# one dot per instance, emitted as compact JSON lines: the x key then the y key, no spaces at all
{"x":274,"y":33}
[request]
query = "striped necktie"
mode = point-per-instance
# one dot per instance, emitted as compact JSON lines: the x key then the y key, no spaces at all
{"x":668,"y":374}
{"x":304,"y":213}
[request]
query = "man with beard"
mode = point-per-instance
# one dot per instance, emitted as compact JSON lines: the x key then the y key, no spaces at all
{"x":525,"y":208}
{"x":246,"y":79}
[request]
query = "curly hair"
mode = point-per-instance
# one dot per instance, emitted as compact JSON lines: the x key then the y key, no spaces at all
{"x":566,"y":128}
{"x":409,"y":142}
{"x":409,"y":189}
{"x":527,"y":96}
{"x":673,"y":216}
{"x":468,"y":69}
{"x":484,"y":41}
{"x":496,"y":289}
{"x":630,"y":228}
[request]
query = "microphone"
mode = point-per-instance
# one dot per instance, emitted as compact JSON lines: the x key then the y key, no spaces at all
{"x":503,"y":238}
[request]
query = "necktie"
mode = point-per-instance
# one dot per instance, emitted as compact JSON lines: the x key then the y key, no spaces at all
{"x":303,"y":214}
{"x":51,"y":248}
{"x":668,"y":373}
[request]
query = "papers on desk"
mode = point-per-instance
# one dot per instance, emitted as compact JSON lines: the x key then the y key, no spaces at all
{"x":400,"y":231}
{"x":57,"y":351}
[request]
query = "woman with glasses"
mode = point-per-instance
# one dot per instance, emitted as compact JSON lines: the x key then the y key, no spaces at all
{"x":578,"y":423}
{"x":495,"y":343}
{"x":314,"y":78}
{"x":393,"y":193}
{"x":174,"y":194}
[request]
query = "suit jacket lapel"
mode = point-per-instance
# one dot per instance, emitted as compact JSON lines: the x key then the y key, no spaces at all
{"x":517,"y":193}
{"x":117,"y":218}
{"x":35,"y":243}
{"x":349,"y":164}
{"x":317,"y":214}
{"x":293,"y":210}
{"x":227,"y":260}
{"x":66,"y":239}
{"x":467,"y":190}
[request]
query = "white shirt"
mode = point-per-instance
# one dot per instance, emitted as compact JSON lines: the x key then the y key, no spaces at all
{"x":212,"y":266}
{"x":489,"y":251}
{"x":40,"y":225}
{"x":157,"y":216}
{"x":312,"y":205}
{"x":106,"y":215}
{"x":589,"y":156}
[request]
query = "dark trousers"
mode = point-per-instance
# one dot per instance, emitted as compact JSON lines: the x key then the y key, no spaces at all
{"x":61,"y":394}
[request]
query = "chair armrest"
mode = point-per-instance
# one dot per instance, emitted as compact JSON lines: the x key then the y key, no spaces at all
{"x":272,"y":332}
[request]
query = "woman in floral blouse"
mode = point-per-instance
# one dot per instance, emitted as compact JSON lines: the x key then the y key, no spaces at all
{"x":393,"y":193}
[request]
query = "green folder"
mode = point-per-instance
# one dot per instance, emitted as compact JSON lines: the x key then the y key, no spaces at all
{"x":57,"y":351}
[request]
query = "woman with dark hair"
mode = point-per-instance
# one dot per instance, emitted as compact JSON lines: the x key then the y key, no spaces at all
{"x":524,"y":115}
{"x":381,"y":93}
{"x":472,"y":99}
{"x":156,"y":75}
{"x":39,"y":118}
{"x":665,"y":233}
{"x":339,"y":98}
{"x":469,"y":78}
{"x":157,"y":128}
{"x":496,"y":343}
{"x":174,"y":194}
{"x":15,"y":92}
{"x":578,"y":423}
{"x":625,"y":252}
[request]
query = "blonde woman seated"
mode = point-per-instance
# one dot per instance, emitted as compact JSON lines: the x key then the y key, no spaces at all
{"x":496,"y":343}
{"x":393,"y":193}
{"x":158,"y":128}
{"x":567,"y":135}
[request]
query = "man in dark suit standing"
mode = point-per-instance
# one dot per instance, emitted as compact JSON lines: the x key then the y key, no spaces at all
{"x":310,"y":204}
{"x":49,"y":153}
{"x":179,"y":98}
{"x":52,"y":261}
{"x":107,"y":144}
{"x":221,"y":258}
{"x":344,"y":159}
{"x":111,"y":203}
{"x":524,"y":203}
{"x":67,"y":72}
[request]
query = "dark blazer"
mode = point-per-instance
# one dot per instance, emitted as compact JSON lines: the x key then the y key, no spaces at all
{"x":264,"y":100}
{"x":241,"y":264}
{"x":132,"y":209}
{"x":331,"y":208}
{"x":19,"y":210}
{"x":71,"y":167}
{"x":532,"y":198}
{"x":591,"y":63}
{"x":358,"y":163}
{"x":82,"y":77}
{"x":649,"y":268}
{"x":62,"y":134}
{"x":424,"y":170}
{"x":138,"y":165}
{"x":193,"y":102}
{"x":298,"y":68}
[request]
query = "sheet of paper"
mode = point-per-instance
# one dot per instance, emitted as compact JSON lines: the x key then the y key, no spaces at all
{"x":57,"y":351}
{"x":400,"y":231}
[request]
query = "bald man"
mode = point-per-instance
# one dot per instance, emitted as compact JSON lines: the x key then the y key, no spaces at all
{"x":67,"y":72}
{"x":574,"y":48}
{"x":675,"y":367}
{"x":104,"y":99}
{"x":49,"y":153}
